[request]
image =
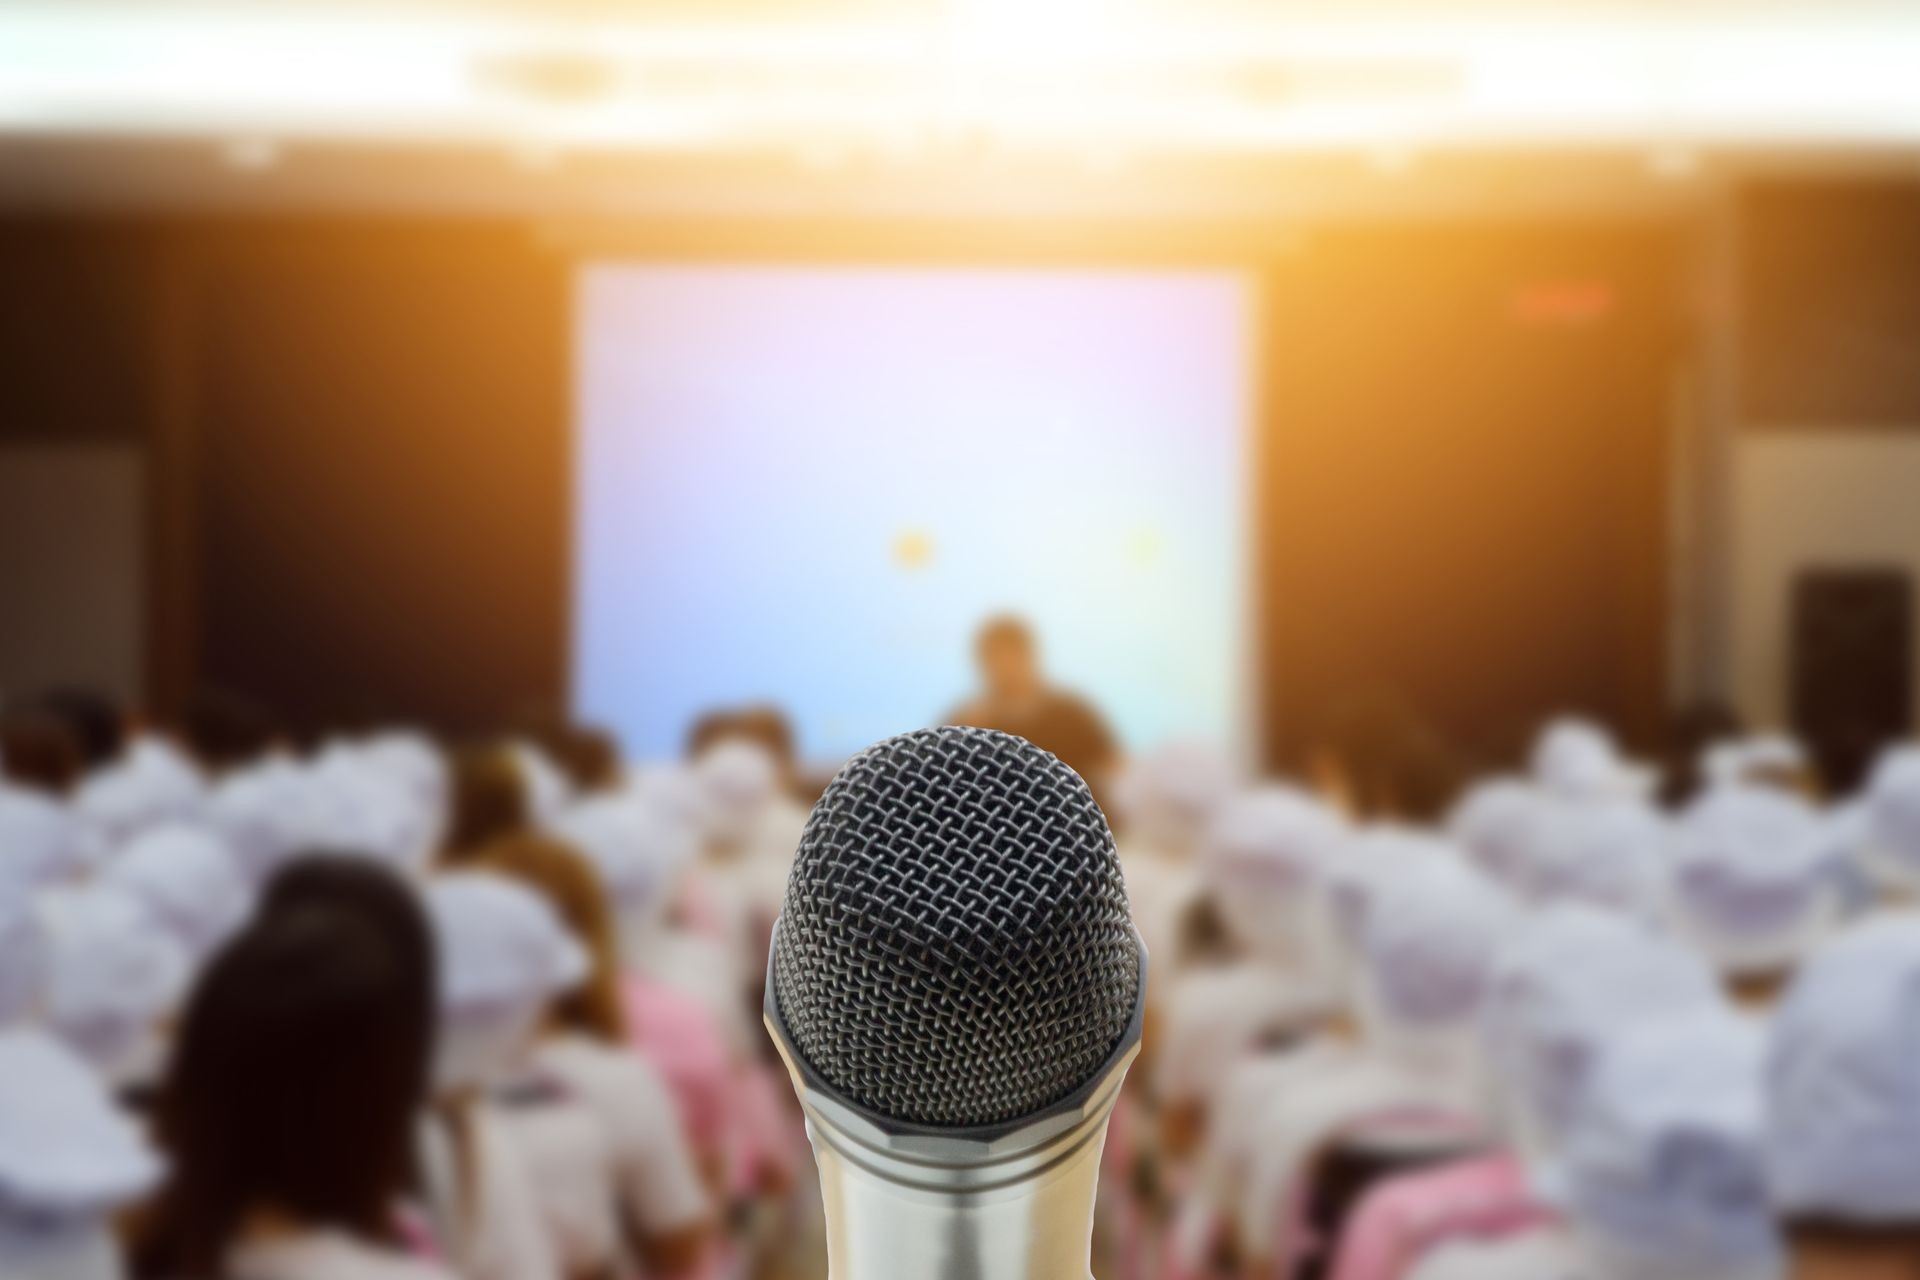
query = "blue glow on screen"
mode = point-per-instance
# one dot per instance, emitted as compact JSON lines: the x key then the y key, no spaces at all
{"x":810,"y":485}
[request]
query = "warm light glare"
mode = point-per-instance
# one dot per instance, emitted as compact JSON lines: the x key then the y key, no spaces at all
{"x":1074,"y":73}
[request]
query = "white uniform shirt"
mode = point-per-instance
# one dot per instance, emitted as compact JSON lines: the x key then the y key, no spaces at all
{"x":1212,"y":1016}
{"x":501,"y":1234}
{"x":1337,"y":1092}
{"x":569,"y":1169}
{"x":1544,"y":1254}
{"x":327,"y":1255}
{"x":655,"y":1177}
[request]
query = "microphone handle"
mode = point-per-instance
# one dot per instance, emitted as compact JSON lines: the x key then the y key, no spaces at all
{"x":1028,"y":1219}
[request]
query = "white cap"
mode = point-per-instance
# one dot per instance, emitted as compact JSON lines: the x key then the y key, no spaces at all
{"x":672,"y":791}
{"x":1751,"y":759}
{"x":1373,"y":859}
{"x":174,"y":779}
{"x":1753,"y":880}
{"x":1576,"y":759}
{"x":112,"y":973}
{"x":1609,"y":852}
{"x":188,"y":879}
{"x":1499,"y":824}
{"x":40,"y":837}
{"x":1662,"y":1168}
{"x":1843,"y":1080}
{"x":151,"y":784}
{"x":268,"y":814}
{"x":738,"y":780}
{"x":65,"y":1148}
{"x":1568,"y":978}
{"x":504,"y":956}
{"x":635,"y":848}
{"x":1171,"y":795}
{"x":412,"y":759}
{"x":1264,"y":861}
{"x":366,"y":809}
{"x":1892,"y":800}
{"x":1274,"y":838}
{"x":1431,"y":937}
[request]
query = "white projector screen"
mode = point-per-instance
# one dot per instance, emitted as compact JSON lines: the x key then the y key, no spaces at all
{"x":810,"y":485}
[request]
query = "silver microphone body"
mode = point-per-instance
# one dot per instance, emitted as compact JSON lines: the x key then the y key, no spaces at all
{"x":908,"y":1202}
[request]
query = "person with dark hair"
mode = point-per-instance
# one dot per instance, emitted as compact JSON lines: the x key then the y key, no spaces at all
{"x":39,"y":752}
{"x":98,"y":725}
{"x":359,"y":887}
{"x":1380,"y":757}
{"x":490,"y":801}
{"x":662,"y":1202}
{"x":472,"y":1179}
{"x":224,"y":731}
{"x":1016,"y":698}
{"x":287,"y":1115}
{"x":1692,"y":730}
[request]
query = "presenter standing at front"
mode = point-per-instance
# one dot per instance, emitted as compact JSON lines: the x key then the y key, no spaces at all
{"x":1015,"y":697}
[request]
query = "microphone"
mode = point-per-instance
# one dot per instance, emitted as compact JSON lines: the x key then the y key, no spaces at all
{"x":957,"y":989}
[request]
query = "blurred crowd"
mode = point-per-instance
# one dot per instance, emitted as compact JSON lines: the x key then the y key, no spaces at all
{"x":391,"y":1007}
{"x":1567,"y":1030}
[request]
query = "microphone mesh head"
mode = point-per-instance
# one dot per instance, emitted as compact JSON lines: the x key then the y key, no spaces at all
{"x":955,"y":948}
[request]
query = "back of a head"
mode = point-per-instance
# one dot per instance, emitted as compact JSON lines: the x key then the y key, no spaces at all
{"x":226,"y":731}
{"x":589,"y":755}
{"x":39,"y":750}
{"x":96,"y":721}
{"x":361,"y":888}
{"x":561,"y":874}
{"x":1570,"y":976}
{"x":1842,"y":1089}
{"x":955,"y":949}
{"x":301,"y":1062}
{"x":489,"y":801}
{"x":1662,"y":1169}
{"x":1432,"y":934}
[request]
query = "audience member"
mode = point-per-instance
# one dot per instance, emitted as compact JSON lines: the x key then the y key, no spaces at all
{"x":69,"y":1163}
{"x":1015,"y":697}
{"x":582,"y":1044}
{"x":289,"y":1109}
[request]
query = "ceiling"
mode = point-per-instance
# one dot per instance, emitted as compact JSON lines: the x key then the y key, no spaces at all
{"x":1013,"y":105}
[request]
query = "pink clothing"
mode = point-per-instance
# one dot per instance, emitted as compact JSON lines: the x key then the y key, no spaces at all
{"x":675,"y":1033}
{"x":770,"y":1135}
{"x":1399,"y":1221}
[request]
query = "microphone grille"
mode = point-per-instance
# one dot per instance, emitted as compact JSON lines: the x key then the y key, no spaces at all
{"x":955,"y":948}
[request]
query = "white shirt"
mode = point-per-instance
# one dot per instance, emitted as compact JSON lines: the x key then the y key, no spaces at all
{"x":501,"y":1234}
{"x":569,"y":1168}
{"x":1543,"y":1254}
{"x":655,"y":1177}
{"x":1213,"y":1015}
{"x":1337,"y":1092}
{"x":327,"y":1255}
